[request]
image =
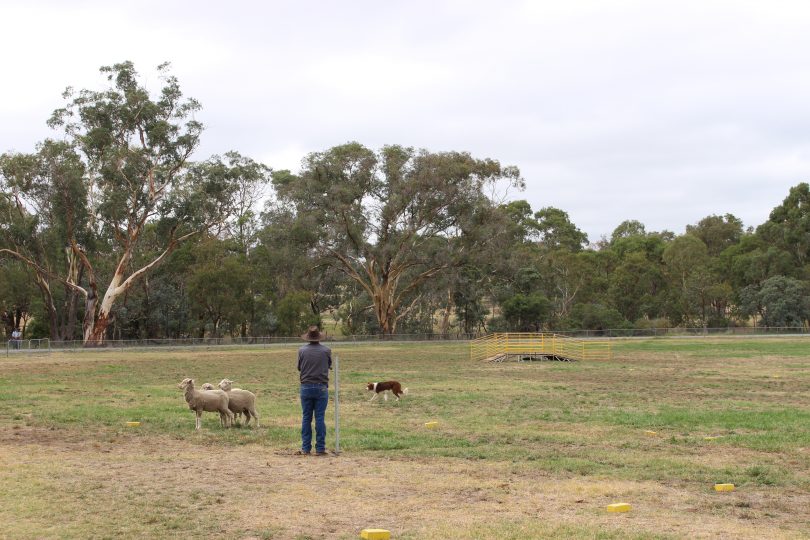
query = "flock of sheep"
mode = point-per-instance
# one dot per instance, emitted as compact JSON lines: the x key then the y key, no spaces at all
{"x":227,"y":401}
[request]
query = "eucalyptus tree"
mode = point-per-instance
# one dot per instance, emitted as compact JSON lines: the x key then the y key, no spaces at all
{"x":636,"y":283}
{"x":754,"y":260}
{"x":557,"y":231}
{"x":718,"y":232}
{"x":219,"y":287}
{"x":135,"y":150}
{"x":17,"y":296}
{"x":285,"y":263}
{"x":788,"y":226}
{"x":390,"y":220}
{"x":778,"y":301}
{"x":687,"y":262}
{"x":43,"y":202}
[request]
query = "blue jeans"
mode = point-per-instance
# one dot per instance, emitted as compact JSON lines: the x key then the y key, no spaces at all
{"x":314,"y":399}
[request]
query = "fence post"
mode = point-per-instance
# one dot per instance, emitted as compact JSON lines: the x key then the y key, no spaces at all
{"x":337,"y":404}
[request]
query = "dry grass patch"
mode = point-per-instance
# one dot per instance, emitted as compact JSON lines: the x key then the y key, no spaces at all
{"x":161,"y":487}
{"x":534,"y":449}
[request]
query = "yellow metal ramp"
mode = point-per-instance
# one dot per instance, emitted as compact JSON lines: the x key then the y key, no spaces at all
{"x":500,"y":346}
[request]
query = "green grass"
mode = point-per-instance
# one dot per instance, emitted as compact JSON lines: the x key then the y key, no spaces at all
{"x":542,"y":414}
{"x":569,"y":420}
{"x":718,"y":347}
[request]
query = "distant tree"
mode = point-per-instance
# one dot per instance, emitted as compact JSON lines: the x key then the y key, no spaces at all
{"x":557,"y":231}
{"x":717,"y":232}
{"x":754,"y":260}
{"x":135,"y":152}
{"x":394,"y":219}
{"x":779,"y":301}
{"x":468,"y":299}
{"x":628,"y":229}
{"x":632,"y":237}
{"x":684,"y":255}
{"x":43,"y":202}
{"x":527,"y":312}
{"x":788,"y":226}
{"x":637,"y":287}
{"x":294,"y":314}
{"x":219,"y":287}
{"x":596,"y":317}
{"x":567,"y":275}
{"x":17,"y":296}
{"x":524,"y":227}
{"x":355,"y":313}
{"x":286,"y":262}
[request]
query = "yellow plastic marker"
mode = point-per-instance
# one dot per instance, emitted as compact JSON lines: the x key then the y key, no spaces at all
{"x":133,"y":424}
{"x":431,"y":425}
{"x":375,"y":534}
{"x":650,"y":433}
{"x":618,"y":507}
{"x":712,"y":437}
{"x":724,"y":487}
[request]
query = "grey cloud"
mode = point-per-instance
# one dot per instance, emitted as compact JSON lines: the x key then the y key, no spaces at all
{"x":663,"y":112}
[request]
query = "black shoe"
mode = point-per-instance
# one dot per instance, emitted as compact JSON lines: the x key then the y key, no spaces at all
{"x":324,"y":453}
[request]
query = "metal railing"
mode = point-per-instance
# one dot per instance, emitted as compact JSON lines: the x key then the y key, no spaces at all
{"x":505,"y":344}
{"x":28,"y":345}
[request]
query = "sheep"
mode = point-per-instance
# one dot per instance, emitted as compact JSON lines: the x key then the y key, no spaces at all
{"x":240,"y":401}
{"x":209,"y":386}
{"x":206,"y":400}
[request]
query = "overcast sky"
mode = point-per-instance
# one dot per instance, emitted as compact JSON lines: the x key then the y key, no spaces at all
{"x":664,"y":112}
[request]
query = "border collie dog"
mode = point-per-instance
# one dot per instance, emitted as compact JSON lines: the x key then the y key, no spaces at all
{"x":384,"y":387}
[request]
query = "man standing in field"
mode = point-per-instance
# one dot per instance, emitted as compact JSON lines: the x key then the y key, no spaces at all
{"x":314,"y":363}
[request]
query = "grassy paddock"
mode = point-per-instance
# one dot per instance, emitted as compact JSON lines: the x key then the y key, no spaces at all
{"x":522,"y":449}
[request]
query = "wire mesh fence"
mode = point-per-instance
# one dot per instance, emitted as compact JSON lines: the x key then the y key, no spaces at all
{"x":690,"y":331}
{"x":14,"y":346}
{"x":30,"y":345}
{"x":39,"y":345}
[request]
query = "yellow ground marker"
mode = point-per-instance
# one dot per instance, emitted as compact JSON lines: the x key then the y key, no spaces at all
{"x":375,"y":534}
{"x":618,"y":507}
{"x":650,"y":433}
{"x":431,"y":425}
{"x":724,"y":487}
{"x":133,"y":424}
{"x":712,"y":437}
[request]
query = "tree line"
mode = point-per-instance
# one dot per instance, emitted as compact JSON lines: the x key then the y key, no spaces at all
{"x":113,"y":231}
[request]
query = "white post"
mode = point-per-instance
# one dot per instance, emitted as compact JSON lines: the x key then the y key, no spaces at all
{"x":337,"y":404}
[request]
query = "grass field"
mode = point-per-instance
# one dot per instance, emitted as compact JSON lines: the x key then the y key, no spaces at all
{"x":523,"y":450}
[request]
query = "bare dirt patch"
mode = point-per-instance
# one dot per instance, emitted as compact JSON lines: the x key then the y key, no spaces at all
{"x":255,"y":491}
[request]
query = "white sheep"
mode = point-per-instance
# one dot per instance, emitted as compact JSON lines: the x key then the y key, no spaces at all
{"x":209,"y":386}
{"x":206,"y":400}
{"x":240,"y":401}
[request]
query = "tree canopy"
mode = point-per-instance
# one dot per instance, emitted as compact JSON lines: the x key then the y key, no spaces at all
{"x":115,"y":228}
